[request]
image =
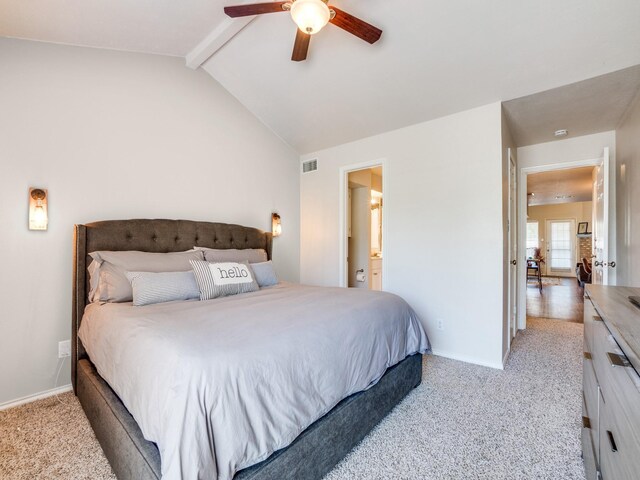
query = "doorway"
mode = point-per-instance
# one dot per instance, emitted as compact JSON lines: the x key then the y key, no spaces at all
{"x":558,"y":215}
{"x":363,"y":239}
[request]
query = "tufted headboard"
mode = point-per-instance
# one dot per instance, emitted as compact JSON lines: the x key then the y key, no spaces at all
{"x":149,"y":236}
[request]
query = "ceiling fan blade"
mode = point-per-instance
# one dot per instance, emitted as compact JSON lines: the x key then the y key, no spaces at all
{"x":301,"y":46}
{"x":254,"y":9}
{"x":355,"y":26}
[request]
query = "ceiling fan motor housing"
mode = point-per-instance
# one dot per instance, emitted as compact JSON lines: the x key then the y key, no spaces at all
{"x":310,"y":15}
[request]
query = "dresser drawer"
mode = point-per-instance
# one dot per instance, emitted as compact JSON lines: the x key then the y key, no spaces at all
{"x":604,"y":346}
{"x":616,"y":433}
{"x":619,"y":413}
{"x":588,"y":450}
{"x":590,"y":316}
{"x":590,"y":407}
{"x":619,"y":441}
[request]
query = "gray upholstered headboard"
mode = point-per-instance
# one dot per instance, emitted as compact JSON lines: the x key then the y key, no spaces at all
{"x":148,"y":236}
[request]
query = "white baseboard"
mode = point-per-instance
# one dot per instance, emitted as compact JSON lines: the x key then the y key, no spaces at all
{"x":35,"y":396}
{"x":465,"y":359}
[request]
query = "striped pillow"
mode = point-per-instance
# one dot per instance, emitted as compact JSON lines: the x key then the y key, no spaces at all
{"x":151,"y":287}
{"x":222,"y":279}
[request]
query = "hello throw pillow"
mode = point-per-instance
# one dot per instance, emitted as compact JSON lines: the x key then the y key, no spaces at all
{"x":222,"y":279}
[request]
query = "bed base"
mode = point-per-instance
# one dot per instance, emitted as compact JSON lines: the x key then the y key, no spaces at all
{"x":312,"y":455}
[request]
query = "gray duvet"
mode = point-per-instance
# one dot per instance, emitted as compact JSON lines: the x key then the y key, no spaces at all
{"x":219,"y":385}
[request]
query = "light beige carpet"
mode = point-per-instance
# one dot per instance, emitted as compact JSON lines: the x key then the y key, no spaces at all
{"x":463,"y":422}
{"x":48,"y":439}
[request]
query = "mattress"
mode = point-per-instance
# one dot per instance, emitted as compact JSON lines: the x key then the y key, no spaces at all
{"x":220,"y":385}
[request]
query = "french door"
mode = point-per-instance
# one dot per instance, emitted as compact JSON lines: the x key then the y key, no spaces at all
{"x":561,"y":247}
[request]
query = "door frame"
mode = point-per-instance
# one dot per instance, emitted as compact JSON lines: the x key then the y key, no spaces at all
{"x":521,"y":281}
{"x":512,"y":322}
{"x":343,"y":249}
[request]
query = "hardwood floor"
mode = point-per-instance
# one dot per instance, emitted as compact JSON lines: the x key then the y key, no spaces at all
{"x":562,"y":302}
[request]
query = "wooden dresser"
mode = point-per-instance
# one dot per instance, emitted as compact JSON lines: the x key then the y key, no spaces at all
{"x":611,"y":384}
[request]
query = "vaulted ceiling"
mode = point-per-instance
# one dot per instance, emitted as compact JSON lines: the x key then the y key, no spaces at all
{"x":164,"y":27}
{"x":435,"y":57}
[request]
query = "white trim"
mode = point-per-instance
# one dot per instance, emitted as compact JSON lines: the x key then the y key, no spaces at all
{"x":216,"y":39}
{"x":592,"y":162}
{"x":342,"y":217}
{"x":521,"y":281}
{"x":512,"y":283}
{"x":35,"y":396}
{"x":465,"y":359}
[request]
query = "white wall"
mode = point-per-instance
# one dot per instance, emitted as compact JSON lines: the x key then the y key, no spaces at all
{"x":443,"y":244}
{"x":117,"y":135}
{"x":628,"y":193}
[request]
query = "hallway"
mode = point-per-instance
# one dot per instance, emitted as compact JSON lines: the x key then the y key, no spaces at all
{"x":562,"y":302}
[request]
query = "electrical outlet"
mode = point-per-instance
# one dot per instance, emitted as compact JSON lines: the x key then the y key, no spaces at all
{"x":440,"y":324}
{"x":64,"y":349}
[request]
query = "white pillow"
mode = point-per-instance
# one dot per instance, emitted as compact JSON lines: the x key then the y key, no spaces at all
{"x":222,"y":279}
{"x":151,"y":287}
{"x":113,"y":285}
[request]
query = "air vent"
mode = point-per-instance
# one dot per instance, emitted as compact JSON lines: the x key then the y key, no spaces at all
{"x":310,"y":166}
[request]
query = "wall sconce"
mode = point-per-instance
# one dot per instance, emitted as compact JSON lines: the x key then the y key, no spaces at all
{"x":38,"y":215}
{"x":276,"y":227}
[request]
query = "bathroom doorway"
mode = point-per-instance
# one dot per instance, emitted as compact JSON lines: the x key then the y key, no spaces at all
{"x":364,"y":207}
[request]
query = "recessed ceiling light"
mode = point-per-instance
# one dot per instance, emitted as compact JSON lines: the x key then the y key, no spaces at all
{"x":561,"y":133}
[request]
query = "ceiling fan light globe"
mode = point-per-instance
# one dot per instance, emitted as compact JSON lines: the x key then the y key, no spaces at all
{"x":310,"y":15}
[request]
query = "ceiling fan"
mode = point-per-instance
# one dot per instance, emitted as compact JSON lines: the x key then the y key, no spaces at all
{"x":310,"y":16}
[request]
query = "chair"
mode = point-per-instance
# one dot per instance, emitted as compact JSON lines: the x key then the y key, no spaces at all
{"x":534,"y":266}
{"x":583,"y":272}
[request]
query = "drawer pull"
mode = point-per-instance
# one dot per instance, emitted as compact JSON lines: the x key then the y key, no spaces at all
{"x":618,"y":360}
{"x":587,"y":355}
{"x":586,"y":423}
{"x":612,"y":441}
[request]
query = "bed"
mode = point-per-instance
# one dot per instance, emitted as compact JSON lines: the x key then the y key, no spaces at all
{"x":314,"y":451}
